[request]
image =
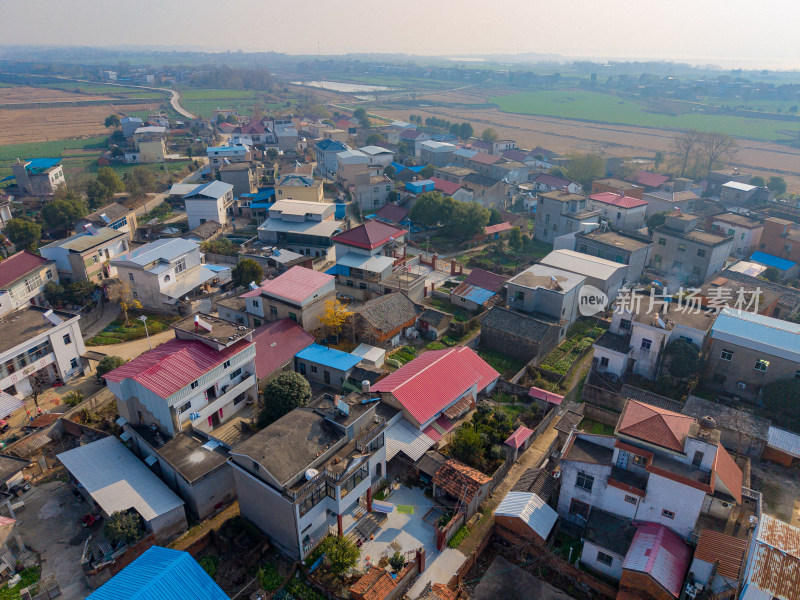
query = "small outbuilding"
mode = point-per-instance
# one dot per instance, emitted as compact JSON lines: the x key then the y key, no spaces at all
{"x":783,"y":447}
{"x":527,"y":515}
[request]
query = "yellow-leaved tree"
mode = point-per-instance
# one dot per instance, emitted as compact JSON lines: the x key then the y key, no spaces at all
{"x":127,"y":301}
{"x":334,"y":317}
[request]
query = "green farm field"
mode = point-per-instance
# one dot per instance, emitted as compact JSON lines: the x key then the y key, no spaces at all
{"x":605,"y":108}
{"x":203,"y":101}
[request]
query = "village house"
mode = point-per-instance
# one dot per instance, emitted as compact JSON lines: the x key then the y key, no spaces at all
{"x":477,"y":290}
{"x":459,"y":485}
{"x":736,"y":194}
{"x":748,"y":351}
{"x":129,"y":125}
{"x":647,"y":179}
{"x":544,"y":182}
{"x":607,"y":276}
{"x":277,"y":343}
{"x":433,"y":324}
{"x":562,"y":212}
{"x":224,"y":155}
{"x":299,"y":187}
{"x":370,"y":191}
{"x":149,"y":145}
{"x":623,"y":247}
{"x":243,"y":176}
{"x":38,"y":176}
{"x":161,"y":273}
{"x":303,"y":475}
{"x":86,"y":255}
{"x":716,"y":179}
{"x":745,"y":230}
{"x":618,"y":187}
{"x":303,"y":227}
{"x":452,"y":173}
{"x":326,"y":151}
{"x":385,"y":321}
{"x":328,"y":366}
{"x":665,"y":201}
{"x":619,"y":211}
{"x":437,"y":154}
{"x":22,"y":279}
{"x":527,"y":337}
{"x":115,"y":216}
{"x":43,"y":344}
{"x":488,"y":192}
{"x":546,"y":290}
{"x":209,"y":202}
{"x":780,"y":238}
{"x":208,"y":231}
{"x":719,"y":561}
{"x":351,"y":163}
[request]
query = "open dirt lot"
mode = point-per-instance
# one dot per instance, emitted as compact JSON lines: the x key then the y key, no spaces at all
{"x":780,"y":489}
{"x":565,"y":136}
{"x":24,"y":94}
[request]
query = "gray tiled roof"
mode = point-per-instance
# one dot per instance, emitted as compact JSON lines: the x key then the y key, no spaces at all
{"x":515,"y":323}
{"x":388,"y":312}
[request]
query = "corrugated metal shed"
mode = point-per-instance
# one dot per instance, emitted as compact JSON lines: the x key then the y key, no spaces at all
{"x":329,"y":357}
{"x":582,"y":264}
{"x":775,"y":564}
{"x":783,"y":440}
{"x":759,"y":333}
{"x":473,"y":293}
{"x":213,"y":190}
{"x":403,"y":436}
{"x":660,"y":553}
{"x":531,"y":509}
{"x":161,"y":574}
{"x":772,"y":261}
{"x":725,"y":550}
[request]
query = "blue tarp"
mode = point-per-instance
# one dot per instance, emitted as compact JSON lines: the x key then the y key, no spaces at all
{"x":769,"y":260}
{"x":340,"y":211}
{"x":329,"y":357}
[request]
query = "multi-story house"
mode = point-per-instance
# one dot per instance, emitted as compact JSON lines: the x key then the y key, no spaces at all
{"x":617,"y":186}
{"x":562,"y":212}
{"x":546,"y":290}
{"x":242,"y":176}
{"x":378,"y":156}
{"x":659,"y":467}
{"x":437,"y":154}
{"x":619,"y":210}
{"x":86,"y":255}
{"x":161,"y":273}
{"x":606,"y":275}
{"x":350,"y":163}
{"x":371,"y":192}
{"x":42,"y":344}
{"x":302,"y":227}
{"x":747,"y":351}
{"x":489,"y":192}
{"x":299,"y":187}
{"x":22,"y":280}
{"x":149,"y":145}
{"x":737,"y":194}
{"x":223,"y":155}
{"x":544,"y":182}
{"x":115,"y":216}
{"x":642,"y":326}
{"x":299,"y":293}
{"x":38,"y":176}
{"x":668,"y":201}
{"x":745,"y":230}
{"x":209,"y":202}
{"x":683,"y":253}
{"x":780,"y":238}
{"x":716,"y":179}
{"x":129,"y":125}
{"x":623,"y":247}
{"x":326,"y":151}
{"x":302,"y":476}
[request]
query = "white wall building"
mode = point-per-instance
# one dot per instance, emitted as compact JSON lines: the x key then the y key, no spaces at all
{"x":209,"y":202}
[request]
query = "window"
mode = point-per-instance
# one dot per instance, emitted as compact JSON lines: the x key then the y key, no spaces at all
{"x":67,"y":339}
{"x":130,"y":276}
{"x":235,"y":374}
{"x":646,"y":344}
{"x":639,"y":461}
{"x":184,"y":407}
{"x":726,"y":355}
{"x":255,"y":304}
{"x":582,"y":248}
{"x":135,"y":296}
{"x":620,"y":259}
{"x":73,"y":363}
{"x":226,"y":364}
{"x":547,"y":218}
{"x":697,"y":459}
{"x":273,"y":310}
{"x":761,"y":365}
{"x":167,"y":278}
{"x":180,"y":265}
{"x":579,"y":509}
{"x":520,"y":295}
{"x":293,"y":317}
{"x":584,"y":481}
{"x":701,"y":252}
{"x":604,"y":361}
{"x":362,"y":285}
{"x":604,"y":558}
{"x":625,"y":324}
{"x":662,"y":241}
{"x":630,"y":499}
{"x":676,"y":264}
{"x":350,"y":283}
{"x":657,"y":259}
{"x":695,"y":270}
{"x":256,"y":322}
{"x":194,"y":384}
{"x":313,"y":368}
{"x":668,"y":514}
{"x":619,"y":215}
{"x":49,"y":274}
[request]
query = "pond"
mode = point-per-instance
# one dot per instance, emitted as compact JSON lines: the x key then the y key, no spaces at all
{"x":347,"y":88}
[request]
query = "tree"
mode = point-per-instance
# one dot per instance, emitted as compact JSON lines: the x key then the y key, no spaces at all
{"x":139,"y":182}
{"x":53,"y":293}
{"x":685,"y":144}
{"x":123,"y":526}
{"x":283,"y":393}
{"x":335,"y":316}
{"x":397,"y":562}
{"x":584,"y":168}
{"x":109,"y":178}
{"x":467,"y":446}
{"x":494,"y":216}
{"x":427,"y":172}
{"x":221,"y":246}
{"x":341,"y":553}
{"x":658,"y":160}
{"x":390,"y":171}
{"x":469,"y":219}
{"x":489,"y":135}
{"x":64,"y":210}
{"x":465,"y":131}
{"x":98,"y":194}
{"x":112,"y":121}
{"x":515,"y":239}
{"x":360,"y":113}
{"x":771,"y":274}
{"x":247,"y":271}
{"x":108,"y":363}
{"x":777,"y":185}
{"x":656,"y":220}
{"x":685,"y":359}
{"x":427,"y":210}
{"x":716,"y":147}
{"x":73,"y":398}
{"x":24,"y":233}
{"x":127,"y":301}
{"x":38,"y":386}
{"x":557,"y":172}
{"x":374,"y":138}
{"x":392,"y":196}
{"x":758,"y":181}
{"x":366,"y":123}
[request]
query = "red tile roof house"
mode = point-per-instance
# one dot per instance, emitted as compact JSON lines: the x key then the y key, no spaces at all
{"x":183,"y":393}
{"x":621,"y":211}
{"x":461,"y":486}
{"x":300,"y":294}
{"x":432,"y":391}
{"x":22,"y":280}
{"x":276,"y":344}
{"x":659,"y":466}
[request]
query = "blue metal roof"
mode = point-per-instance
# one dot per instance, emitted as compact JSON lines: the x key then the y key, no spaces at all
{"x":769,"y":260}
{"x":161,"y":574}
{"x":425,"y":185}
{"x":331,"y":146}
{"x":329,"y":357}
{"x":477,"y":294}
{"x":261,"y":195}
{"x":758,"y":332}
{"x":41,"y":164}
{"x":397,"y":166}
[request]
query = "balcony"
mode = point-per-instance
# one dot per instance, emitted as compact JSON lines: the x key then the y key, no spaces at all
{"x":201,"y":417}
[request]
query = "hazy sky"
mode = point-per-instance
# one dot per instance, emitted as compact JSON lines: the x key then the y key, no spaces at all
{"x":763,"y":32}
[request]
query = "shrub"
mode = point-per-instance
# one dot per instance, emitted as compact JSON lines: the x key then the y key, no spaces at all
{"x":397,"y":562}
{"x":108,"y":364}
{"x":123,"y":526}
{"x":269,"y":577}
{"x":459,"y":537}
{"x":74,"y":398}
{"x":209,"y":564}
{"x":341,"y":553}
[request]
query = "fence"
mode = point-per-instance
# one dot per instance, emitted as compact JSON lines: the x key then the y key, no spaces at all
{"x":221,"y":259}
{"x":601,"y":415}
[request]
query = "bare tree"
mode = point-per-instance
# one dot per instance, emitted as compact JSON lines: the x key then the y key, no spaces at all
{"x":715,"y":147}
{"x":38,"y":387}
{"x":685,"y":144}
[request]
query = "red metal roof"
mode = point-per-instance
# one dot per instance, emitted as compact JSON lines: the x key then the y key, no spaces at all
{"x":618,"y":200}
{"x":499,"y":228}
{"x":173,"y":365}
{"x":659,"y":552}
{"x":19,"y":264}
{"x":277,"y":343}
{"x":541,"y":394}
{"x":295,"y":285}
{"x":431,"y":382}
{"x":485,"y":279}
{"x":485,"y":159}
{"x":725,"y":550}
{"x":392,"y":212}
{"x":648,"y":178}
{"x":518,"y":438}
{"x":655,"y":425}
{"x":370,"y":235}
{"x":438,"y":428}
{"x":728,"y":472}
{"x":444,"y":186}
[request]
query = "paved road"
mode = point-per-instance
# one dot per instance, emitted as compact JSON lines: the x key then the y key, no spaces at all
{"x":175,"y":95}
